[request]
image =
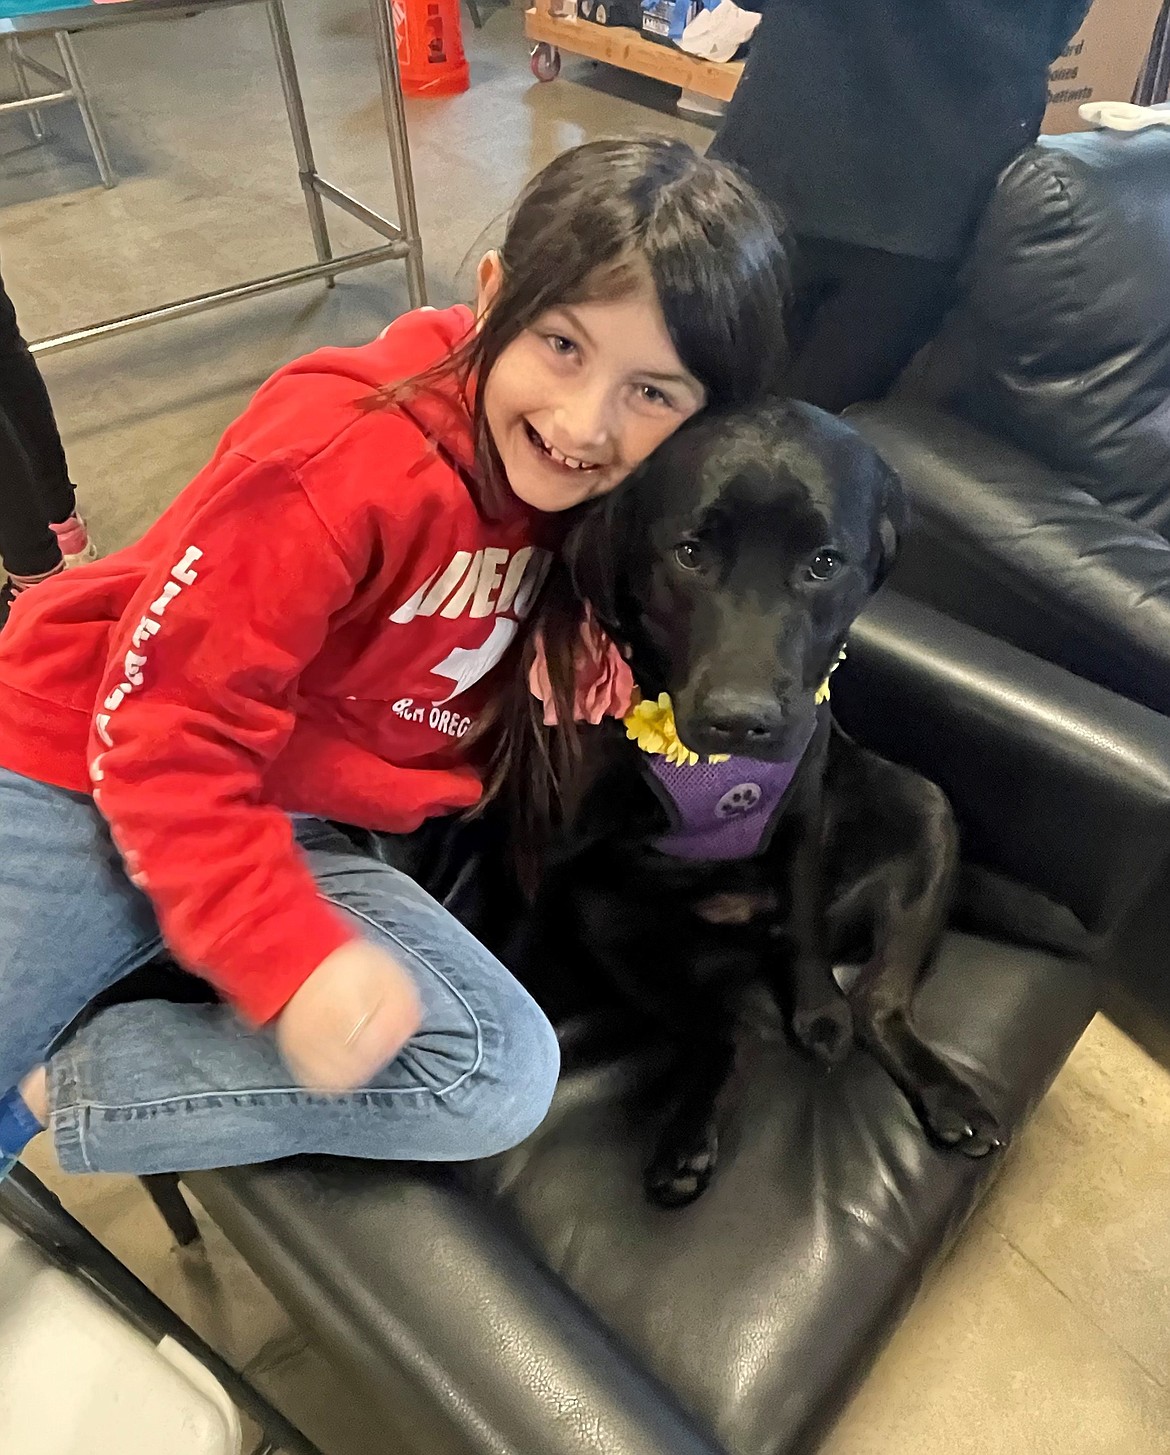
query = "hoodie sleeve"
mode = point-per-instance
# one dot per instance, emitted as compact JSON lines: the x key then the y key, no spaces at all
{"x":198,"y":698}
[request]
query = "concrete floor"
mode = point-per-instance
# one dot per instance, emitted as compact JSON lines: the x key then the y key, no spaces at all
{"x":1047,"y":1330}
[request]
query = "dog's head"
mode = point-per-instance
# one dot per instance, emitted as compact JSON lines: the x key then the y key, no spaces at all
{"x":733,"y":563}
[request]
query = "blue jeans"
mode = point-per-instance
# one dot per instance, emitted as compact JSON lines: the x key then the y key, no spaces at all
{"x":152,"y":1086}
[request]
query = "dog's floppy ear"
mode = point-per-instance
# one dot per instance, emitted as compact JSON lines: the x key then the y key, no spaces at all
{"x":592,"y":552}
{"x":893,"y":518}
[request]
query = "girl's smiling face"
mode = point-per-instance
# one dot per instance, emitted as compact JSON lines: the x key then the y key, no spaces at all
{"x":584,"y":395}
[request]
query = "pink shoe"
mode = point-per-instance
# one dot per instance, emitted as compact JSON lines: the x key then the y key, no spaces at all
{"x":73,"y":538}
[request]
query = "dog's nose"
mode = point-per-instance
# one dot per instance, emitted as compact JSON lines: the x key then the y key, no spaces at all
{"x":746,"y":721}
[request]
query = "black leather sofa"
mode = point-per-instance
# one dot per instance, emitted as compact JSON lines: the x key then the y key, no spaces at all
{"x":536,"y":1305}
{"x":1035,"y":432}
{"x":1034,"y":435}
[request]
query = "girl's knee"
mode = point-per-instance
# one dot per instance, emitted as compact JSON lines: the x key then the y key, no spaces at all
{"x":507,"y":1095}
{"x":529,"y":1075}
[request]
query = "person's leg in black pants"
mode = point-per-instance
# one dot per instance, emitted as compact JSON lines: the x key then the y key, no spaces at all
{"x":861,"y":316}
{"x":33,"y":476}
{"x":36,"y":493}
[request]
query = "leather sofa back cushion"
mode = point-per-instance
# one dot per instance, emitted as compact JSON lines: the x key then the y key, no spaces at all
{"x":1061,"y":342}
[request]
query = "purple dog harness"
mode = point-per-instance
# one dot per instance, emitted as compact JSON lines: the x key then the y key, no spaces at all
{"x":721,"y":810}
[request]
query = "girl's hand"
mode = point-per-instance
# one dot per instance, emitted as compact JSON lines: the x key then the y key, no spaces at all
{"x":349,"y":1019}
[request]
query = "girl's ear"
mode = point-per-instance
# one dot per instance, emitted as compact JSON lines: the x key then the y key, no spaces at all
{"x":489,"y":278}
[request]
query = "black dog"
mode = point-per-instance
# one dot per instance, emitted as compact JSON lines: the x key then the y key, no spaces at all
{"x":731,"y":569}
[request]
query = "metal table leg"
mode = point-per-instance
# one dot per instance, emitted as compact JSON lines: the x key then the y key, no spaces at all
{"x":394,"y":109}
{"x":16,"y":55}
{"x":400,"y":237}
{"x":294,"y":104}
{"x":88,"y":119}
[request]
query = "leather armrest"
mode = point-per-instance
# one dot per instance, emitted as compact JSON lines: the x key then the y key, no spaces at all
{"x":1003,"y":542}
{"x":1057,"y":782}
{"x":470,"y":1344}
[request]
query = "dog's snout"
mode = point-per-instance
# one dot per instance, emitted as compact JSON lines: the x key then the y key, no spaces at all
{"x":744,"y":721}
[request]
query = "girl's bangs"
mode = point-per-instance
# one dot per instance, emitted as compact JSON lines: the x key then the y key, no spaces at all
{"x":615,"y":278}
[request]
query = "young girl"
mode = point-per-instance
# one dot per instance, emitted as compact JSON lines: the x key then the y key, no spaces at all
{"x":310,"y":633}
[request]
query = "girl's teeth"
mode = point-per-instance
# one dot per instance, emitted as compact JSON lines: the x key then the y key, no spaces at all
{"x":568,"y":461}
{"x":557,"y":457}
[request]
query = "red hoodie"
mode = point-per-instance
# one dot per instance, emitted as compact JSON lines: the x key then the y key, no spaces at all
{"x":308,"y":628}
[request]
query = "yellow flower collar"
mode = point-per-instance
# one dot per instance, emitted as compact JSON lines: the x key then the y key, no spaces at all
{"x":650,"y":724}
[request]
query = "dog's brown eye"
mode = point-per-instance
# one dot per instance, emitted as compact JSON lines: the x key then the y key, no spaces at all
{"x":689,"y":555}
{"x":824,"y":565}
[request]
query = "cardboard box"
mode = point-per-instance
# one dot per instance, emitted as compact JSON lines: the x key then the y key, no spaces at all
{"x":1102,"y":62}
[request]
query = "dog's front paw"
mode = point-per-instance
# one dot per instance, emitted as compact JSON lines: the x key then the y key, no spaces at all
{"x":955,"y":1115}
{"x":682,"y":1168}
{"x":825,"y":1031}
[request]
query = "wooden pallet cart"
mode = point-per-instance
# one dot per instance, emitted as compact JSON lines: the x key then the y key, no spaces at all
{"x":553,"y":34}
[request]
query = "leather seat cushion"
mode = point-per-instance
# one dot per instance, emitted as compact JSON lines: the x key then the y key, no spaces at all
{"x":761,"y":1306}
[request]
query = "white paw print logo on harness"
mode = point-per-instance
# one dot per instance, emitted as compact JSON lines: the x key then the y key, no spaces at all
{"x":738,"y":801}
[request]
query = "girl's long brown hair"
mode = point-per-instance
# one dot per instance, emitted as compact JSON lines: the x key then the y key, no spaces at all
{"x":594,"y":224}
